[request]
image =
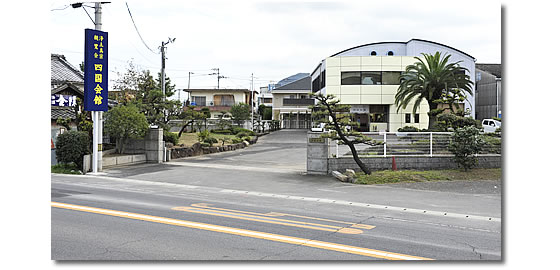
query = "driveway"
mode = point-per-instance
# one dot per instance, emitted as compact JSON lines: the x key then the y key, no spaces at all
{"x":280,"y":151}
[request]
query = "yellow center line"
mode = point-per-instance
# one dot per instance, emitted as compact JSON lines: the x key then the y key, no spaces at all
{"x":276,"y":214}
{"x":248,"y":233}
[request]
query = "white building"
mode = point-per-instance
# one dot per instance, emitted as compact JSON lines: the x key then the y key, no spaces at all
{"x":367,"y":77}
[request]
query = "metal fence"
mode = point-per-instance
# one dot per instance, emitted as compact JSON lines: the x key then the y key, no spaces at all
{"x":407,"y":144}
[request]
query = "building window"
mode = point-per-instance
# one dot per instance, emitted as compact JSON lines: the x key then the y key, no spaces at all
{"x":371,"y":77}
{"x":373,"y":53}
{"x":407,"y":118}
{"x":390,"y":77}
{"x":350,"y":78}
{"x":267,"y":100}
{"x":224,"y":100}
{"x":316,"y":86}
{"x":417,"y":118}
{"x":390,"y":53}
{"x":199,"y":101}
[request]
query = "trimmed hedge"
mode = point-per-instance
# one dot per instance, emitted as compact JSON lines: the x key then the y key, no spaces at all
{"x":71,"y":146}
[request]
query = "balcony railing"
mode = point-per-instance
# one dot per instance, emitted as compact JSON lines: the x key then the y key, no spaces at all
{"x":212,"y":104}
{"x":298,"y":101}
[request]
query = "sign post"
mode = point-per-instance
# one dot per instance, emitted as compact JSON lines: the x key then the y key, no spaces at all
{"x":96,"y":83}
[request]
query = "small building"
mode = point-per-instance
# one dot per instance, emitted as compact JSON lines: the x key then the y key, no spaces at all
{"x":488,"y":92}
{"x":217,"y":100}
{"x":291,"y":103}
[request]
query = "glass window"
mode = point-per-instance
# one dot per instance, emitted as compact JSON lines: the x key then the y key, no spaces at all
{"x":390,"y":77}
{"x":199,"y":101}
{"x":417,"y":118}
{"x":350,"y":78}
{"x":371,"y":77}
{"x":407,"y":118}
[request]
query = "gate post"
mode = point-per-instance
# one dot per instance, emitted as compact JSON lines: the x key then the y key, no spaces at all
{"x":317,"y":153}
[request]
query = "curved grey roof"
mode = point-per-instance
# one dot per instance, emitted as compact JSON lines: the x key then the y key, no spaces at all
{"x":400,"y":42}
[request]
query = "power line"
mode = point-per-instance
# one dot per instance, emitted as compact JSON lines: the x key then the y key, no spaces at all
{"x":137,"y":29}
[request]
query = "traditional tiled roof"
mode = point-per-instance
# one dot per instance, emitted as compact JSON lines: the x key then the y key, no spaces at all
{"x":301,"y":84}
{"x":62,"y":112}
{"x":494,"y":69}
{"x":62,"y":71}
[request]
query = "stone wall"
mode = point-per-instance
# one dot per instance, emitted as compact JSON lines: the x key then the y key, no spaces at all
{"x":152,"y":145}
{"x":407,"y":163}
{"x":197,"y":150}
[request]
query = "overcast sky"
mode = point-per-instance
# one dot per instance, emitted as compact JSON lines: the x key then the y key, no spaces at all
{"x":272,"y":39}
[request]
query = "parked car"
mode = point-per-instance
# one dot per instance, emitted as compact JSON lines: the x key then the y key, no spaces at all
{"x":490,"y":125}
{"x":319,"y":127}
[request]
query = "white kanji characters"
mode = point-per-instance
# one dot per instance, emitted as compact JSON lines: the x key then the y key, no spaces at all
{"x":72,"y":101}
{"x":61,"y":100}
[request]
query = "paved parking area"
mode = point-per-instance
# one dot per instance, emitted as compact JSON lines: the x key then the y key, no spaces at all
{"x":283,"y":150}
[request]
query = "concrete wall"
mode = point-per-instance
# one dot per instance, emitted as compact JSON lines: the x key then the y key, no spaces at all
{"x":317,"y":153}
{"x":152,"y":145}
{"x":409,"y":163}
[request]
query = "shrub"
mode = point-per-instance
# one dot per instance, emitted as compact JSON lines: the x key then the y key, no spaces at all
{"x":71,"y":146}
{"x":205,"y":144}
{"x":203,"y":135}
{"x":236,"y":130}
{"x":465,"y":144}
{"x":236,"y":140}
{"x":408,"y":129}
{"x":170,"y":137}
{"x":448,"y":120}
{"x":210,"y":141}
{"x":125,"y":122}
{"x":242,"y":134}
{"x":221,"y":131}
{"x":247,"y":138}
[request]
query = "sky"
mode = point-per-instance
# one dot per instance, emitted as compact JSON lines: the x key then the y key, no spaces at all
{"x":269,"y":39}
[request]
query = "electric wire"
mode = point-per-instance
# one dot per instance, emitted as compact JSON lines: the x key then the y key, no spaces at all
{"x":137,"y":29}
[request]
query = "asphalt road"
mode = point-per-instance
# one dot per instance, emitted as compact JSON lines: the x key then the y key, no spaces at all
{"x":256,"y":204}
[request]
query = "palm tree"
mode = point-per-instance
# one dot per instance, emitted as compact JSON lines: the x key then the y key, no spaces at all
{"x":431,"y":79}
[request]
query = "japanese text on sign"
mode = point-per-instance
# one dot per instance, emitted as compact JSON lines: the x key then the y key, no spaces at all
{"x":96,"y":81}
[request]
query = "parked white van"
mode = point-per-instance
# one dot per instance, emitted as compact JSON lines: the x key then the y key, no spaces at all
{"x":490,"y":125}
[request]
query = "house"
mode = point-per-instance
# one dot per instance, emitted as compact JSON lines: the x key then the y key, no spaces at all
{"x":291,"y":103}
{"x":67,"y":84}
{"x":217,"y":100}
{"x":488,"y":94}
{"x":367,"y":78}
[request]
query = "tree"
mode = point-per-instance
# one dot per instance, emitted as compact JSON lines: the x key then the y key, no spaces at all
{"x":240,"y":112}
{"x":336,"y":116}
{"x":432,"y":79}
{"x":125,"y":122}
{"x":465,"y":144}
{"x":139,"y":87}
{"x":189,"y":116}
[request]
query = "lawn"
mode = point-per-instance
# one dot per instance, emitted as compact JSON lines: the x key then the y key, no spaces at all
{"x":189,"y":139}
{"x":65,"y":169}
{"x":385,"y":177}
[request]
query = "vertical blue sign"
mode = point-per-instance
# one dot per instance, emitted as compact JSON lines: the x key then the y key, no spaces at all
{"x":95,"y":71}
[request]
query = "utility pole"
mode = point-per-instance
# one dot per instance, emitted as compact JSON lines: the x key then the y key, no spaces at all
{"x":189,"y":85}
{"x":219,"y":77}
{"x":252,"y":105}
{"x":96,"y":116}
{"x":162,"y":48}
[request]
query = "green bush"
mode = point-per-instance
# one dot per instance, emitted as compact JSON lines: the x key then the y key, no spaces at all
{"x":211,"y":141}
{"x":205,"y":144}
{"x":203,"y":135}
{"x":71,"y":146}
{"x":66,"y":168}
{"x":465,"y":144}
{"x":170,"y":137}
{"x":448,"y":120}
{"x":242,"y":134}
{"x":237,"y":130}
{"x":247,"y":138}
{"x":236,"y":140}
{"x":221,"y":131}
{"x":408,"y":129}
